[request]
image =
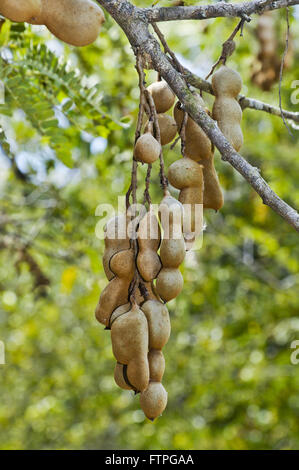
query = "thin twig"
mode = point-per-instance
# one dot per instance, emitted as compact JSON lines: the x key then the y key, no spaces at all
{"x":229,"y":45}
{"x":167,"y":49}
{"x":281,"y":71}
{"x":146,"y":194}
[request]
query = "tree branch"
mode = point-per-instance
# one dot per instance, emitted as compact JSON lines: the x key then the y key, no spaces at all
{"x":136,"y":30}
{"x":245,"y":102}
{"x":219,"y":9}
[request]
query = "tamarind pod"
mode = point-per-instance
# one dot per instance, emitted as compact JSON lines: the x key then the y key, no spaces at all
{"x":129,"y":337}
{"x":149,"y":237}
{"x":158,"y":323}
{"x":185,"y":173}
{"x":169,"y":283}
{"x":162,"y":95}
{"x":116,"y":239}
{"x":119,"y":377}
{"x":172,"y":252}
{"x":156,"y":365}
{"x":76,"y":22}
{"x":212,"y":196}
{"x":119,"y":311}
{"x":20,"y":10}
{"x":227,"y":84}
{"x":170,"y":214}
{"x":138,"y":373}
{"x":168,"y":128}
{"x":192,"y":200}
{"x":153,"y":400}
{"x":147,"y":149}
{"x":197,"y":144}
{"x":116,"y":293}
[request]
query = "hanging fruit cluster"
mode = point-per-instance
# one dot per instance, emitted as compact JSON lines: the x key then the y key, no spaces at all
{"x":141,"y":265}
{"x":76,"y":22}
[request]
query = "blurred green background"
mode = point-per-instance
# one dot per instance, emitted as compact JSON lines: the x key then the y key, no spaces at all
{"x":229,"y":376}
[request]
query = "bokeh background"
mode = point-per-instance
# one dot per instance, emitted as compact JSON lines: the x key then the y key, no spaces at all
{"x":229,"y":376}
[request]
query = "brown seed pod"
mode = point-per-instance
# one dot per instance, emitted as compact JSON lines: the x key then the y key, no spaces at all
{"x":154,"y":400}
{"x":213,"y":197}
{"x":170,"y":215}
{"x":156,"y":365}
{"x":147,"y":149}
{"x":184,"y":173}
{"x":187,"y":175}
{"x":169,"y":283}
{"x":118,"y":312}
{"x":129,"y":337}
{"x":158,"y":323}
{"x":116,"y":293}
{"x":167,"y":127}
{"x":119,"y":377}
{"x":76,"y":22}
{"x":149,"y":236}
{"x":197,"y":146}
{"x":116,"y":239}
{"x":20,"y":10}
{"x":172,"y":252}
{"x":227,"y":84}
{"x":162,"y":95}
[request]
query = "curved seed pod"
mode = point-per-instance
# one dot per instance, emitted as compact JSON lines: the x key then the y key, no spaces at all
{"x":119,"y":377}
{"x":169,"y":283}
{"x":149,"y":237}
{"x":76,"y":22}
{"x":116,"y":293}
{"x":197,"y":146}
{"x":172,"y":252}
{"x":184,"y":173}
{"x":156,"y":365}
{"x":187,"y":175}
{"x":118,"y":312}
{"x":158,"y":323}
{"x":212,"y":197}
{"x":168,"y":128}
{"x":116,"y":239}
{"x":138,"y":373}
{"x":153,"y":400}
{"x":147,"y":149}
{"x":227,"y":84}
{"x":129,"y":336}
{"x":162,"y":95}
{"x":20,"y":10}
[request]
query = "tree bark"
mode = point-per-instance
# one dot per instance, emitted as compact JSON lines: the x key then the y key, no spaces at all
{"x":135,"y":21}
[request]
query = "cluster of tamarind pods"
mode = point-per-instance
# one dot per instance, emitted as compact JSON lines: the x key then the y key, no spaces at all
{"x":76,"y":22}
{"x":140,"y":323}
{"x":138,"y":317}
